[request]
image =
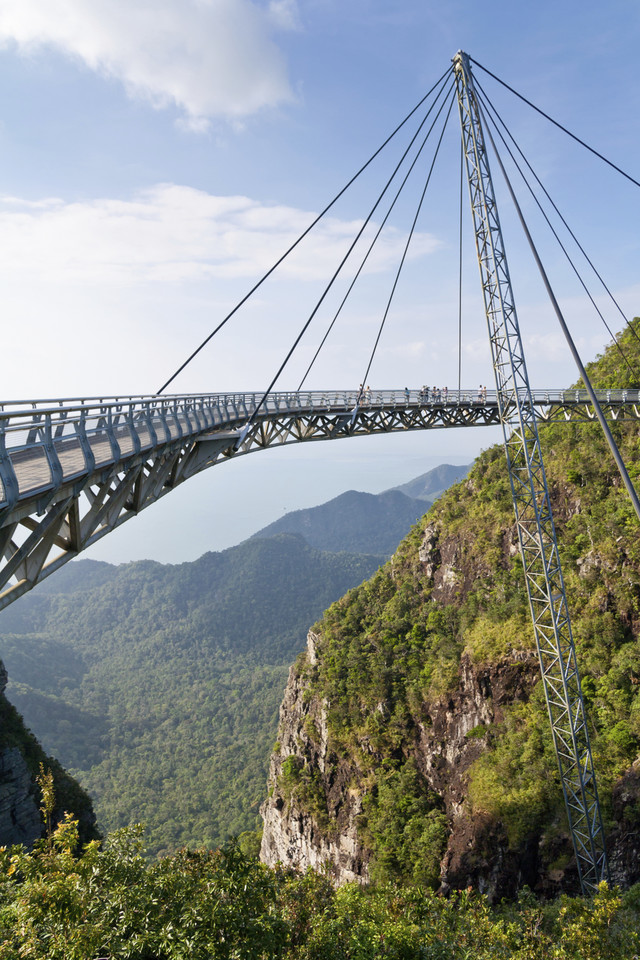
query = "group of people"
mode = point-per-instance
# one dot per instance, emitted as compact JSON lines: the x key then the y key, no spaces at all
{"x":434,"y":393}
{"x":425,"y":394}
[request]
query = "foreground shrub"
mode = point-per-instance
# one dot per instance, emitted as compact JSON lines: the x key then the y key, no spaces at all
{"x":111,"y":902}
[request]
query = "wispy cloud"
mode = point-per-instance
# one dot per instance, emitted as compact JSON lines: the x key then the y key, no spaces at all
{"x":116,"y":289}
{"x":210,"y":58}
{"x":171,"y":233}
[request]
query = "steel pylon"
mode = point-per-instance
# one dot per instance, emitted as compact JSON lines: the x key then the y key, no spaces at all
{"x":534,"y":520}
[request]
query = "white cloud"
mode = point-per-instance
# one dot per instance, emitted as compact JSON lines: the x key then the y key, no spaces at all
{"x":284,"y":13}
{"x":210,"y":58}
{"x":550,"y":346}
{"x":172,"y":234}
{"x":108,"y":295}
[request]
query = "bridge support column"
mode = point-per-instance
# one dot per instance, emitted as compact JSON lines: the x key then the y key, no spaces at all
{"x":534,"y":520}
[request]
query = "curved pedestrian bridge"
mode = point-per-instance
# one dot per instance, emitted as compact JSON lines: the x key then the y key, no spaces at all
{"x":71,"y":470}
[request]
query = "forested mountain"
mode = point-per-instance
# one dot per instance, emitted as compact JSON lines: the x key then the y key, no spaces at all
{"x":414,"y":743}
{"x":158,"y":686}
{"x":367,"y":522}
{"x":430,"y":485}
{"x":357,"y":522}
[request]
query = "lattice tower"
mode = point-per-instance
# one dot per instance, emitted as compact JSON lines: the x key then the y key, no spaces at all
{"x":534,"y":520}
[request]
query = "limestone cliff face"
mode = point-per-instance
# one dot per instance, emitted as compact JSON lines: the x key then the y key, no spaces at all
{"x":445,"y":745}
{"x":292,"y":834}
{"x":20,"y":757}
{"x":321,"y":783}
{"x":624,"y":838}
{"x":20,"y":820}
{"x":325,"y":834}
{"x":416,"y":730}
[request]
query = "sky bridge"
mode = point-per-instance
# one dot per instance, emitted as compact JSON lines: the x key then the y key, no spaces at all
{"x":73,"y":470}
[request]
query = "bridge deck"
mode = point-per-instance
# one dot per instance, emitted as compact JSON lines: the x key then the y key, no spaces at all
{"x":72,"y":470}
{"x":44,"y":445}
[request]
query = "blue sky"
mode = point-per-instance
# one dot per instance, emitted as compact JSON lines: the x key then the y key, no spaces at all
{"x":156,"y":156}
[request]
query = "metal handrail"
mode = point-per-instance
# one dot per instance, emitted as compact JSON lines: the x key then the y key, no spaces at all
{"x":30,"y":413}
{"x":76,"y":437}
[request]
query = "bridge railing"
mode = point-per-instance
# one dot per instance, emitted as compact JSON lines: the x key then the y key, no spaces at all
{"x":65,"y":409}
{"x":44,"y":443}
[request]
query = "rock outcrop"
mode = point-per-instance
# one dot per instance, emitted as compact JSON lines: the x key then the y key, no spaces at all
{"x":415,"y":731}
{"x":20,"y":820}
{"x":293,"y":832}
{"x":449,"y":739}
{"x":624,"y":839}
{"x":322,"y":830}
{"x":461,"y":682}
{"x":20,"y":759}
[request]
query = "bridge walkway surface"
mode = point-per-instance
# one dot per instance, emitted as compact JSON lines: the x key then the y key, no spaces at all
{"x":72,"y":470}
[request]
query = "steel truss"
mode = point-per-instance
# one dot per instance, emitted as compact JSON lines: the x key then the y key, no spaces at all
{"x":536,"y":531}
{"x":73,"y":470}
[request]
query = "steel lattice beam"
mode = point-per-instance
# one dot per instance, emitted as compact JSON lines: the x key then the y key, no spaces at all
{"x":72,"y":471}
{"x":536,"y":531}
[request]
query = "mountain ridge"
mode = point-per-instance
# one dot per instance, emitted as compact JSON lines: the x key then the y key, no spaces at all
{"x":429,"y":485}
{"x":158,"y":685}
{"x":366,"y":522}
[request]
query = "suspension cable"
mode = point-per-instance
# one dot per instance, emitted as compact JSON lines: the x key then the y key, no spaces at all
{"x":555,"y":123}
{"x":576,"y":356}
{"x":409,"y":238}
{"x":373,"y":242}
{"x":336,"y":272}
{"x":302,"y":235}
{"x":489,"y":106}
{"x":562,"y":219}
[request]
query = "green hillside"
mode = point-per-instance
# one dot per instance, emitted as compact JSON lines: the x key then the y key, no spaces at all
{"x":158,"y":686}
{"x":390,"y":658}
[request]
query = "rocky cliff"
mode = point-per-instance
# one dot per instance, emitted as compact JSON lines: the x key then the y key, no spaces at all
{"x":414,"y":741}
{"x":20,"y":759}
{"x":314,"y":821}
{"x":316,"y":812}
{"x":295,"y":833}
